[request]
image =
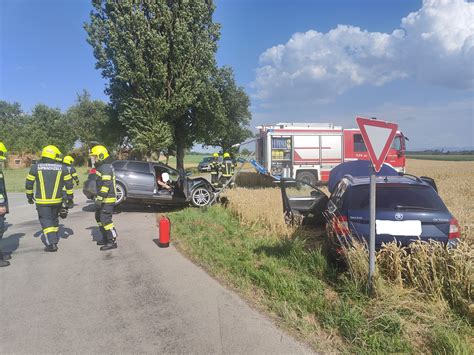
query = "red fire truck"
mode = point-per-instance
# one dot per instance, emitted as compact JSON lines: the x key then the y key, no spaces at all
{"x":308,"y":151}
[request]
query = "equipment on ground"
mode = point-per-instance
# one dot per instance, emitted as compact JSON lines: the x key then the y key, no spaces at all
{"x":164,"y":227}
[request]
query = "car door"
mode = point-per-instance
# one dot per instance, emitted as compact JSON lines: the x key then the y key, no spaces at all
{"x":301,"y":198}
{"x":139,"y":178}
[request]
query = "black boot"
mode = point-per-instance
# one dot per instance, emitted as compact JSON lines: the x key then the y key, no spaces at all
{"x":109,"y":245}
{"x":101,"y":242}
{"x":4,"y":263}
{"x":51,"y":248}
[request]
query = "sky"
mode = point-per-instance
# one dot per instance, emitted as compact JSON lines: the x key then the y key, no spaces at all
{"x":405,"y":61}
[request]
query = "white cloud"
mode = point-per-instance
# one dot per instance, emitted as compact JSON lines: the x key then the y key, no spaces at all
{"x":434,"y":45}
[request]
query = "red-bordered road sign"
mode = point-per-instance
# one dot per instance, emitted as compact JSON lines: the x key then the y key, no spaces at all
{"x":378,"y":137}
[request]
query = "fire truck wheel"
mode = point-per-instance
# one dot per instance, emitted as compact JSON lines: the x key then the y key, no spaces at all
{"x":307,"y":177}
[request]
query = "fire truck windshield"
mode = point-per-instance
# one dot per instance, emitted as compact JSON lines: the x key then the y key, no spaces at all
{"x":397,"y":143}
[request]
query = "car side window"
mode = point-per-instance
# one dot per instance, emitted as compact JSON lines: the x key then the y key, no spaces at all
{"x":119,"y":164}
{"x":139,"y":167}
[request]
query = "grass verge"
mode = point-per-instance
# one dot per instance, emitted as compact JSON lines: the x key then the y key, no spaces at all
{"x":15,"y":178}
{"x":290,"y":278}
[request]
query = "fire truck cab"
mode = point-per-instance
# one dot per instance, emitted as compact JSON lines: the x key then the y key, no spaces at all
{"x":308,"y":151}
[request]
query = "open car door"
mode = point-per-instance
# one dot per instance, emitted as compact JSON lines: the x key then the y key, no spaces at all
{"x":302,"y":200}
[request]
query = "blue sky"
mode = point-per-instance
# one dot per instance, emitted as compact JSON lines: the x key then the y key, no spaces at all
{"x":303,"y":61}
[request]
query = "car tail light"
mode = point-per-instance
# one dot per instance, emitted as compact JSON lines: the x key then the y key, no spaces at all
{"x":92,"y":171}
{"x":454,"y":229}
{"x":341,"y":226}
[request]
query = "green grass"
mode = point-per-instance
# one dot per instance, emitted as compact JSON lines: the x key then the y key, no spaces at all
{"x":444,"y":157}
{"x":292,"y":280}
{"x":15,"y":178}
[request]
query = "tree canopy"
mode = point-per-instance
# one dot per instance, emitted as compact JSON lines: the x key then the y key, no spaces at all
{"x":159,"y":59}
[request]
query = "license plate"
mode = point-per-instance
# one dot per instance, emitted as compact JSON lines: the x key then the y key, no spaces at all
{"x":398,"y":228}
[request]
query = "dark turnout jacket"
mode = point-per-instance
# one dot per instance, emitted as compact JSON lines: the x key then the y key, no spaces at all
{"x":3,"y":191}
{"x":50,"y":177}
{"x":105,"y":182}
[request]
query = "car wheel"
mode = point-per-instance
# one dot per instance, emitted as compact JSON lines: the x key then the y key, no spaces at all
{"x":307,"y":177}
{"x":201,"y":197}
{"x":120,"y":193}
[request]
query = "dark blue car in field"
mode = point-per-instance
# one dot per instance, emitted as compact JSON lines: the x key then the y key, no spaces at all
{"x":408,"y":208}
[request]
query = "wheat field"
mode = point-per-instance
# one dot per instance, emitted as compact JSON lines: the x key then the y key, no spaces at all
{"x":454,"y":180}
{"x":455,"y":186}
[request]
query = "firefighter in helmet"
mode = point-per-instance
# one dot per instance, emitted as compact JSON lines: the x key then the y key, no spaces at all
{"x":3,"y":204}
{"x":228,"y":167}
{"x":50,"y":176}
{"x":69,"y":161}
{"x":105,"y":198}
{"x":215,"y":168}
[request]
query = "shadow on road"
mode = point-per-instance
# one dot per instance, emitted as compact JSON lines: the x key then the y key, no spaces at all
{"x":64,"y":232}
{"x":11,"y":243}
{"x":95,"y":233}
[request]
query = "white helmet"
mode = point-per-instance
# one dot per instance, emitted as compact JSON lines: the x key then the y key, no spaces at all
{"x":165,"y":177}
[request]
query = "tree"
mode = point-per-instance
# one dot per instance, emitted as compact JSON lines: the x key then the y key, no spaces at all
{"x":93,"y":121}
{"x":30,"y":133}
{"x":158,"y":56}
{"x":49,"y":126}
{"x":229,"y":111}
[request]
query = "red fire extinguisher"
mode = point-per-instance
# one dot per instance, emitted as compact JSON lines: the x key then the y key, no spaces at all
{"x":164,"y":227}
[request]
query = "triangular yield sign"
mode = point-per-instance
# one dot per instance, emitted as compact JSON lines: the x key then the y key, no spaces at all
{"x":378,"y":137}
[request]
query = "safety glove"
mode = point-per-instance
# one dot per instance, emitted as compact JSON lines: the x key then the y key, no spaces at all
{"x":70,"y":203}
{"x":31,"y":200}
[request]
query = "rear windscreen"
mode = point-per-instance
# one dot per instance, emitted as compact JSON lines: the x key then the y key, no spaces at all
{"x":391,"y":196}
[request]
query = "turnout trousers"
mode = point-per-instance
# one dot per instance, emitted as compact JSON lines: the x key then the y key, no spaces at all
{"x":2,"y":230}
{"x":214,"y":178}
{"x":2,"y":226}
{"x":103,"y":217}
{"x":49,"y":220}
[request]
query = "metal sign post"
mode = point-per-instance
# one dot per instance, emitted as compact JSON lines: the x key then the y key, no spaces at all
{"x":373,"y":192}
{"x":377,"y":136}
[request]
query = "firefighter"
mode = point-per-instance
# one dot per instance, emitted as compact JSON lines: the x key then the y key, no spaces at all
{"x":50,"y":176}
{"x":227,"y":167}
{"x":215,"y":168}
{"x":3,"y":205}
{"x":69,"y":161}
{"x":105,"y":198}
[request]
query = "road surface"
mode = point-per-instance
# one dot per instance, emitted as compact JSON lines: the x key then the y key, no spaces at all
{"x":138,"y":298}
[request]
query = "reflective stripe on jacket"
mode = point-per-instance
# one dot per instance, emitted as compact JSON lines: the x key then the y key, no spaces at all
{"x":106,"y":183}
{"x":228,"y":168}
{"x":50,"y":178}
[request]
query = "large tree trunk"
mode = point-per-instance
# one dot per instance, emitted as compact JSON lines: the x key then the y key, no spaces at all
{"x":180,"y":146}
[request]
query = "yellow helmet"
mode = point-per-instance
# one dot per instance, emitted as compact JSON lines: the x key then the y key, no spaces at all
{"x":3,"y":151}
{"x":226,"y":155}
{"x":68,"y":160}
{"x":51,"y":152}
{"x":100,"y":152}
{"x":215,"y":155}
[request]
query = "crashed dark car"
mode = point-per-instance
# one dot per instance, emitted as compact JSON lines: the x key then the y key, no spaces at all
{"x":137,"y":182}
{"x":408,"y":208}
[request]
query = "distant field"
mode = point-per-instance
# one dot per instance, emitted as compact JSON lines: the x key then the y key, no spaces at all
{"x":448,"y":157}
{"x":15,"y":178}
{"x":190,"y":161}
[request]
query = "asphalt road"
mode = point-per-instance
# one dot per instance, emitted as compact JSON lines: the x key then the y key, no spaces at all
{"x":135,"y":299}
